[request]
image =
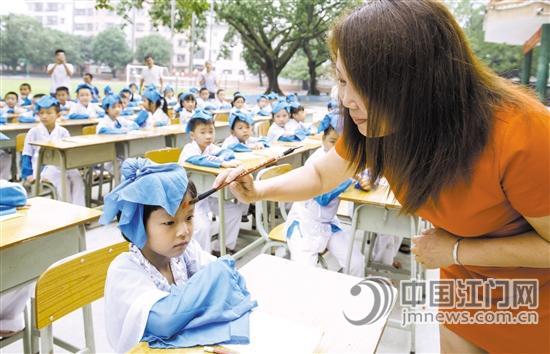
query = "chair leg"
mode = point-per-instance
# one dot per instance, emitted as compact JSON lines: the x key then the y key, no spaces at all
{"x":34,"y":337}
{"x":89,"y":328}
{"x":27,"y":331}
{"x":46,"y":340}
{"x":266,"y":247}
{"x":322,"y":261}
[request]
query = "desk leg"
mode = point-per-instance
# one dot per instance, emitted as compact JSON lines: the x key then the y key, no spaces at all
{"x":352,"y":238}
{"x":221,"y":211}
{"x":39,"y":163}
{"x":63,"y":168}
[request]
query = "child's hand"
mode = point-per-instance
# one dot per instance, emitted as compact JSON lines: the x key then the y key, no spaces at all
{"x":231,"y":164}
{"x":364,"y":183}
{"x":30,"y":179}
{"x":258,"y":147}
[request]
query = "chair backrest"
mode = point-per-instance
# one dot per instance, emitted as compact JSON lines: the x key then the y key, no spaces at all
{"x":20,"y":142}
{"x":174,"y":121}
{"x":221,"y":117}
{"x":261,"y":216}
{"x":89,"y":130}
{"x":73,"y":282}
{"x":171,"y":113}
{"x":166,"y":155}
{"x":261,"y":128}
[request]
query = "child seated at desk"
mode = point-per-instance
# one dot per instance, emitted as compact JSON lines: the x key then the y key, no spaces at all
{"x":203,"y":99}
{"x":84,"y":108}
{"x":240,"y":139}
{"x":220,"y":102}
{"x":280,"y":129}
{"x":25,"y":96}
{"x":11,"y":107}
{"x":113,"y":123}
{"x":63,"y":97}
{"x":166,"y":290}
{"x":239,"y":102}
{"x":155,"y":104}
{"x":136,"y":97}
{"x":203,"y":152}
{"x":263,"y":107}
{"x":312,"y":226}
{"x":188,"y":104}
{"x":170,"y":96}
{"x":297,"y":119}
{"x":48,"y":111}
{"x":125,"y":95}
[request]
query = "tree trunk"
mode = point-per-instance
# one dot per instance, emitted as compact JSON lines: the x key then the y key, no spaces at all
{"x":312,"y":78}
{"x":272,"y":79}
{"x":113,"y":72}
{"x":261,"y":79}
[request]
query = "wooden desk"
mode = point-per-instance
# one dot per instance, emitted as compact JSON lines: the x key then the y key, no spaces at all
{"x":42,"y":234}
{"x":311,"y":296}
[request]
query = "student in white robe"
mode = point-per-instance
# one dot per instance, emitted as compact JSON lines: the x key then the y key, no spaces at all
{"x":113,"y":123}
{"x":241,"y":139}
{"x":203,"y":152}
{"x":203,"y":99}
{"x":263,"y":108}
{"x":170,"y":96}
{"x":187,"y":107}
{"x":166,"y":290}
{"x":63,"y":96}
{"x":84,"y":108}
{"x":48,"y":111}
{"x":279,"y":129}
{"x":220,"y":102}
{"x":312,"y":225}
{"x":156,"y":105}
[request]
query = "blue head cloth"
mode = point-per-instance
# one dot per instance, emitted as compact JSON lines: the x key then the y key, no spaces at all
{"x":152,"y":94}
{"x":280,"y":105}
{"x":125,"y":90}
{"x":262,"y":96}
{"x":294,"y":104}
{"x":46,"y":101}
{"x":332,"y":105}
{"x":84,"y":86}
{"x":185,"y":95}
{"x":144,"y":183}
{"x":13,"y":196}
{"x":331,"y":119}
{"x":272,"y":95}
{"x":107,"y":90}
{"x":110,"y":101}
{"x":151,"y":86}
{"x":210,"y":107}
{"x":198,"y":114}
{"x":293,"y":97}
{"x":194,"y":90}
{"x":242,"y":116}
{"x":167,"y":88}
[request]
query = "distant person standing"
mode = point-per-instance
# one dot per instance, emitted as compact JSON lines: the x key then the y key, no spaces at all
{"x":60,"y":71}
{"x":209,"y":80}
{"x":152,"y":74}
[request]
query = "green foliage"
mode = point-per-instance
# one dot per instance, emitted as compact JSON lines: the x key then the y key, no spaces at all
{"x":155,"y":45}
{"x":110,"y":48}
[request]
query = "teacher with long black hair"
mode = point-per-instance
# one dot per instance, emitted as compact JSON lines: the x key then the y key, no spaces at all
{"x":460,"y":146}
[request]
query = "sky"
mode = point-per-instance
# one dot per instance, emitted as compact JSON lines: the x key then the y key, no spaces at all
{"x":13,"y":6}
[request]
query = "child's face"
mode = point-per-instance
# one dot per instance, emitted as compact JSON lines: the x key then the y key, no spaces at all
{"x":262,"y":102}
{"x":239,"y":103}
{"x":330,"y":140}
{"x":169,"y":94}
{"x":281,"y":118}
{"x":62,"y":97}
{"x":114,"y":110}
{"x":221,"y":95}
{"x":84,"y":96}
{"x":125,"y":99}
{"x":189,"y":105}
{"x":87,"y":79}
{"x":24,"y":91}
{"x":169,"y":236}
{"x":48,"y":116}
{"x":241,"y":130}
{"x":203,"y":135}
{"x":133,"y":88}
{"x":204,"y":95}
{"x":299,"y":116}
{"x":148,"y":105}
{"x":11,"y":101}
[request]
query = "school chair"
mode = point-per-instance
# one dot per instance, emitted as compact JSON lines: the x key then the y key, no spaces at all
{"x":167,"y":155}
{"x":47,"y":189}
{"x":95,"y":176}
{"x":275,"y":237}
{"x":261,"y":128}
{"x":68,"y":285}
{"x":174,"y":121}
{"x":24,"y":334}
{"x":221,"y":117}
{"x":171,"y":113}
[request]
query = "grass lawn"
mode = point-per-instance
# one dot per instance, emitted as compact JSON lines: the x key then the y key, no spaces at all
{"x":42,"y":84}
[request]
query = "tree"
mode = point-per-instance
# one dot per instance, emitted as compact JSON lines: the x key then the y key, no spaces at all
{"x":272,"y":31}
{"x":155,"y":45}
{"x":110,"y":48}
{"x":23,"y":41}
{"x":317,"y":53}
{"x":502,"y":58}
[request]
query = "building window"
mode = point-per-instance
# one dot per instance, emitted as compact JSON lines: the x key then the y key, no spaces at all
{"x":61,"y":20}
{"x":79,"y":12}
{"x":180,"y":58}
{"x":140,"y":27}
{"x":51,"y":21}
{"x":79,"y":27}
{"x":90,"y":12}
{"x":182,"y":42}
{"x":199,"y":53}
{"x":51,"y":6}
{"x":38,"y":7}
{"x":90,"y":27}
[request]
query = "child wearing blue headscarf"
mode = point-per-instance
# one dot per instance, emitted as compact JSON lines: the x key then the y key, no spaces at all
{"x":203,"y":152}
{"x":136,"y":97}
{"x":48,"y":110}
{"x":170,"y":96}
{"x":113,"y":123}
{"x":312,"y":225}
{"x":187,"y":107}
{"x":241,"y":139}
{"x":263,"y":107}
{"x":156,"y":105}
{"x":84,"y":108}
{"x":167,"y":291}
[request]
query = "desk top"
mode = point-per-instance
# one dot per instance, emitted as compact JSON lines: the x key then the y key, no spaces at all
{"x":378,"y":197}
{"x":311,"y":296}
{"x":43,"y":217}
{"x":62,"y":122}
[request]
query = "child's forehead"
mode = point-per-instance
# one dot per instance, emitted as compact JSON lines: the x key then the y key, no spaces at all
{"x":239,"y":122}
{"x":82,"y":90}
{"x":204,"y":125}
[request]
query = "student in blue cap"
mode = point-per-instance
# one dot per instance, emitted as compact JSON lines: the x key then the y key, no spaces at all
{"x":241,"y":139}
{"x":263,"y":107}
{"x":49,"y":111}
{"x":203,"y":99}
{"x":220,"y":101}
{"x":136,"y":97}
{"x":239,"y":102}
{"x":63,"y":96}
{"x":25,"y":95}
{"x":297,"y":118}
{"x":88,"y":77}
{"x":84,"y":108}
{"x":166,"y":290}
{"x":170,"y":96}
{"x":155,"y":104}
{"x":203,"y":152}
{"x":113,"y":123}
{"x":187,"y":107}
